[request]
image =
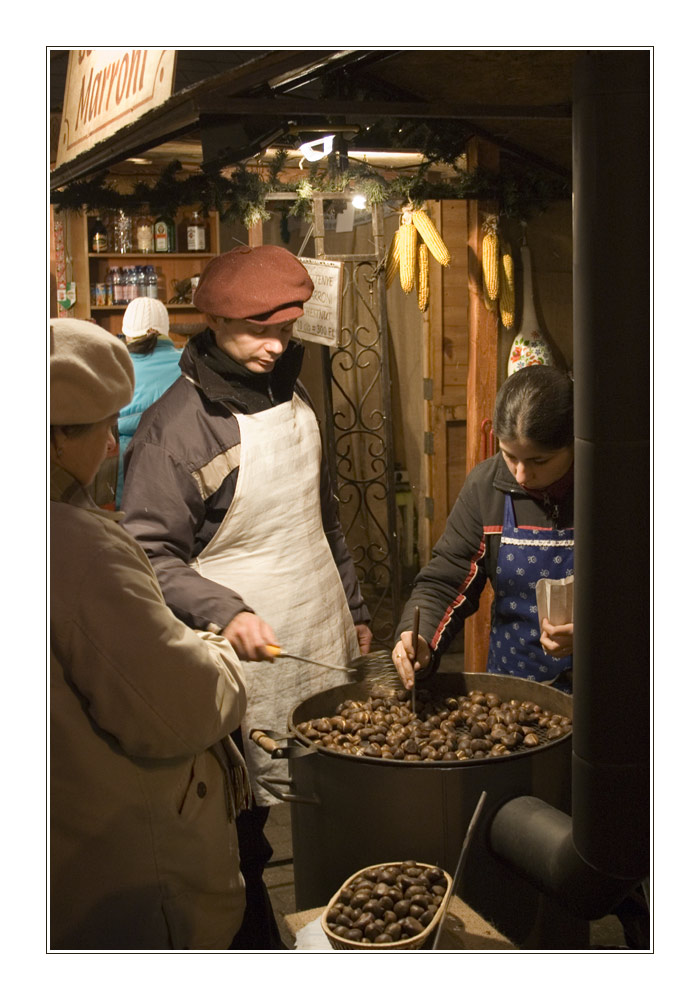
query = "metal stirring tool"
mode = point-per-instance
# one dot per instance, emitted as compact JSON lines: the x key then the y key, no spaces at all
{"x":278,"y":651}
{"x":414,"y":639}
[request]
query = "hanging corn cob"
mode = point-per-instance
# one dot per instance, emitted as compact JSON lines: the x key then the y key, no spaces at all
{"x":431,"y":237}
{"x":393,"y":258}
{"x":506,"y":292}
{"x":408,"y":240}
{"x":408,"y":255}
{"x":423,"y":289}
{"x":489,"y":261}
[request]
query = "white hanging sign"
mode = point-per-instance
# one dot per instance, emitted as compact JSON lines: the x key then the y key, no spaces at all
{"x":322,"y":319}
{"x":107,"y":89}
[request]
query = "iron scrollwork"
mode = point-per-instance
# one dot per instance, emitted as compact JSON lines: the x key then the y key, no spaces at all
{"x":364,"y":456}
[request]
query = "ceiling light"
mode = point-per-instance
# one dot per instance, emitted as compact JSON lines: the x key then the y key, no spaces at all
{"x":359,"y":201}
{"x":310,"y":150}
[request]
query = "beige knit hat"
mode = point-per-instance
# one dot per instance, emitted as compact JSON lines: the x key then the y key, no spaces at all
{"x":92,"y":376}
{"x":144,"y":316}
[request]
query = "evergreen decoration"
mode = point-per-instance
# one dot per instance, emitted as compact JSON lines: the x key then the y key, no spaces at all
{"x":240,"y":195}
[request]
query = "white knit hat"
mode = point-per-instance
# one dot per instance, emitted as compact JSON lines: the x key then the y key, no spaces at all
{"x":144,"y":316}
{"x":92,"y":376}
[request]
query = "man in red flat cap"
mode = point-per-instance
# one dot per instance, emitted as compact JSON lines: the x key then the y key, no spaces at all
{"x":227,"y":491}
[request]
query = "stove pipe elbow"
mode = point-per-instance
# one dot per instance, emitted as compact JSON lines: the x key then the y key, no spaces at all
{"x":536,"y":841}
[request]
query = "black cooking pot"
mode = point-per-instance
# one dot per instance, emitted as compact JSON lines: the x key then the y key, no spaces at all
{"x":351,"y":812}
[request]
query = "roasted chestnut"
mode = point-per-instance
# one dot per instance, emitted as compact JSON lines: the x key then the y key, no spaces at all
{"x":447,"y":729}
{"x":390,"y":912}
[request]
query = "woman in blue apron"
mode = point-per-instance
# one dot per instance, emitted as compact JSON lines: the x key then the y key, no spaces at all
{"x":512,"y":525}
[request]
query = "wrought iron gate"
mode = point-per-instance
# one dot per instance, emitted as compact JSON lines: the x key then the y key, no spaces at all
{"x":359,"y":429}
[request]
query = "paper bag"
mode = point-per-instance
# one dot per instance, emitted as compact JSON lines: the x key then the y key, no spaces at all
{"x":555,"y":600}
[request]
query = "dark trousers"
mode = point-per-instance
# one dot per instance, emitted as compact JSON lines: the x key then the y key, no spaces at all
{"x":259,"y":931}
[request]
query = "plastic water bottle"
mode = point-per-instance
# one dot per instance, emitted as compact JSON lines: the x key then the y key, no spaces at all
{"x":118,"y":294}
{"x":130,"y":285}
{"x":151,"y":282}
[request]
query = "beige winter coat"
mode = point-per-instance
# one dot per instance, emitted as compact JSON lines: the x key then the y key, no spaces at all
{"x":143,"y":846}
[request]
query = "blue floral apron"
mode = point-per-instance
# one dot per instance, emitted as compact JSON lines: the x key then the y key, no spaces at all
{"x":525,"y":556}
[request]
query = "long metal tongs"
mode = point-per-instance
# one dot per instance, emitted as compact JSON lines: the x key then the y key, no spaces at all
{"x":278,"y":651}
{"x":460,"y":865}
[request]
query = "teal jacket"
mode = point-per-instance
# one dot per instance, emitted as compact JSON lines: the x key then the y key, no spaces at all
{"x":153,"y":374}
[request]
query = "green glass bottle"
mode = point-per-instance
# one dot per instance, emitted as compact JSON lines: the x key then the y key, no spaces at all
{"x":164,"y":234}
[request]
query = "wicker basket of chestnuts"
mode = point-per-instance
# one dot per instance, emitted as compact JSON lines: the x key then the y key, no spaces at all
{"x":393,"y":906}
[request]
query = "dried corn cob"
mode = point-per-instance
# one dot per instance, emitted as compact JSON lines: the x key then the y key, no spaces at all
{"x":392,"y":263}
{"x":426,"y":228}
{"x":423,"y":287}
{"x":489,"y":302}
{"x":489,"y":258}
{"x":408,"y":239}
{"x":506,"y":294}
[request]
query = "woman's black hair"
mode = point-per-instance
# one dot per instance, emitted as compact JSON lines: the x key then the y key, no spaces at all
{"x":145,"y":346}
{"x":536,"y":403}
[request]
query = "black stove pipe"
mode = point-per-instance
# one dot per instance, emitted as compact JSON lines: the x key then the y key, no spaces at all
{"x":591,"y":859}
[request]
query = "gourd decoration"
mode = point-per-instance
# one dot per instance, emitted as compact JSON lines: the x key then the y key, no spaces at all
{"x":529,"y":345}
{"x":408,"y":253}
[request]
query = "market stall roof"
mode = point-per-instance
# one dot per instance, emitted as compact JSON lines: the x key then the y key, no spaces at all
{"x":231,"y":104}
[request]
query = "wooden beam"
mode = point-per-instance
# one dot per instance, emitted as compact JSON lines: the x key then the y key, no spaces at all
{"x":255,"y":234}
{"x":221,"y":104}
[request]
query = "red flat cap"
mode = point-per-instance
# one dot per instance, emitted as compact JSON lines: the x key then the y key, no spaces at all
{"x":264,"y":284}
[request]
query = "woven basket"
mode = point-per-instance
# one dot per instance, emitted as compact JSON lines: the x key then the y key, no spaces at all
{"x":407,"y":944}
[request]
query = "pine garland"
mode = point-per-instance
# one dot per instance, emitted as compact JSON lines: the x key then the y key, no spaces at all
{"x":241,"y":195}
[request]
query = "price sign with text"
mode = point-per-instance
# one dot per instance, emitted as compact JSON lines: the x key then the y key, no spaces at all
{"x":322,"y":319}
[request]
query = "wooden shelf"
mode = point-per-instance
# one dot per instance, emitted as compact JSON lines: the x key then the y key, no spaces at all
{"x":168,"y":306}
{"x":148,"y":257}
{"x":90,"y":268}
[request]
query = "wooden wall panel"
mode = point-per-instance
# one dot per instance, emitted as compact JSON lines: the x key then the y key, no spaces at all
{"x":446,"y":366}
{"x":456,"y":448}
{"x":482,"y":381}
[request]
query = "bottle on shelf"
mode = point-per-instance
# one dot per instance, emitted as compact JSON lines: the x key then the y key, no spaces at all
{"x":196,"y":232}
{"x":164,"y":234}
{"x":129,"y":285}
{"x":143,"y":229}
{"x":116,"y":279}
{"x":151,"y":289}
{"x":109,"y":282}
{"x":98,"y":242}
{"x":161,"y":286}
{"x":122,"y":233}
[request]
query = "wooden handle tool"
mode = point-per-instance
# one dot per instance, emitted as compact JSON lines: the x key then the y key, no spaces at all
{"x":264,"y":741}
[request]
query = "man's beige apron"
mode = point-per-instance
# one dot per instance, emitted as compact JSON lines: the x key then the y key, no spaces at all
{"x":271,"y":549}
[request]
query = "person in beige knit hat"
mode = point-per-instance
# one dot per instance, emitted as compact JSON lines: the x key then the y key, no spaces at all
{"x":92,"y":377}
{"x":146,"y":783}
